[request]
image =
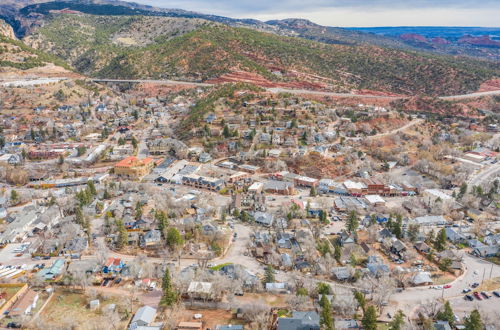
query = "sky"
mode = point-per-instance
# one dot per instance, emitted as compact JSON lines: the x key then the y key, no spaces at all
{"x":348,"y":13}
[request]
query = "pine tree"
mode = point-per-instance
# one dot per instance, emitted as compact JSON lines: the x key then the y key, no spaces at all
{"x":360,"y":298}
{"x":440,"y":242}
{"x":323,"y":289}
{"x":79,"y":217}
{"x":326,"y":317}
{"x":473,"y":321}
{"x":337,"y":253}
{"x":269,"y":275}
{"x":91,"y":187}
{"x":369,"y":320}
{"x":170,"y":296}
{"x":398,"y":322}
{"x":122,"y":234}
{"x":174,"y":238}
{"x":447,"y":314}
{"x":313,"y":192}
{"x":352,"y":221}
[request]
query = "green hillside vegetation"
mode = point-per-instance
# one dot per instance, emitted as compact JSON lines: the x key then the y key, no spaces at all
{"x":25,"y":57}
{"x":213,"y":49}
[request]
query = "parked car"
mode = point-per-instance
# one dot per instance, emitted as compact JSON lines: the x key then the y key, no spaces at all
{"x":466,"y":290}
{"x":497,"y":294}
{"x":14,"y":325}
{"x":478,"y":296}
{"x":485,"y":294}
{"x":447,"y":286}
{"x":475,"y":285}
{"x":468,"y":297}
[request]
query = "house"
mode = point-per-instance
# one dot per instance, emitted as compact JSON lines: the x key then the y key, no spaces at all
{"x":299,"y":321}
{"x":133,"y":167}
{"x":151,"y":238}
{"x":475,"y":214}
{"x":10,"y":159}
{"x":53,"y":271}
{"x":455,"y":237}
{"x":143,"y":317}
{"x":384,"y":234}
{"x":200,"y":290}
{"x":276,"y":287}
{"x":204,"y":157}
{"x":229,"y":327}
{"x":422,"y":247}
{"x":433,"y":197}
{"x":430,"y":220}
{"x":442,"y":325}
{"x":264,"y":219}
{"x":397,"y":247}
{"x":279,"y":187}
{"x":345,"y":324}
{"x":375,"y":200}
{"x":25,"y":304}
{"x":486,"y":251}
{"x":113,"y":265}
{"x":341,"y":273}
{"x":422,"y":278}
{"x":77,"y":245}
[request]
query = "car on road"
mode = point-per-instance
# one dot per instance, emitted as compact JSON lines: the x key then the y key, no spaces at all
{"x":478,"y":296}
{"x":468,"y":297}
{"x":485,"y":294}
{"x":466,"y":290}
{"x":475,"y":285}
{"x":447,"y":286}
{"x":497,"y":294}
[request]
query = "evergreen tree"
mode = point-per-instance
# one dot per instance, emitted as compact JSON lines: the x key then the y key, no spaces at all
{"x":360,"y":298}
{"x":91,"y":187}
{"x":174,"y":238}
{"x":79,"y":217}
{"x":122,"y":234}
{"x":313,"y":192}
{"x":413,"y":230}
{"x":323,"y":289}
{"x":302,"y":292}
{"x":398,"y":322}
{"x":14,"y":196}
{"x":369,"y":320}
{"x":352,"y":221}
{"x":226,"y":132}
{"x":269,"y":275}
{"x":170,"y":296}
{"x":398,"y":227}
{"x":326,"y":317}
{"x":337,"y":253}
{"x":323,"y":217}
{"x":162,"y":219}
{"x":473,"y":321}
{"x":106,"y":194}
{"x":440,"y":242}
{"x":446,"y":314}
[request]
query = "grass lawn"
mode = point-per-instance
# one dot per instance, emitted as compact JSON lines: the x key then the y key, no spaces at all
{"x":219,"y":267}
{"x":67,"y":305}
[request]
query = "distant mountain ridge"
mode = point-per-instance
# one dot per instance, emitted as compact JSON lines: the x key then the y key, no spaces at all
{"x":26,"y":18}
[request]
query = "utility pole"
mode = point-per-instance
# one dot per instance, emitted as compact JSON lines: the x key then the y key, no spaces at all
{"x":484,"y":273}
{"x":491,"y":271}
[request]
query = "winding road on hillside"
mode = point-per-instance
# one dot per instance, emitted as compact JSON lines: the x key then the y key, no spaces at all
{"x":293,"y":91}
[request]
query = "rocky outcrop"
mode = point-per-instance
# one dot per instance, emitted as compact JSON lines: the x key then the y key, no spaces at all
{"x":6,"y":30}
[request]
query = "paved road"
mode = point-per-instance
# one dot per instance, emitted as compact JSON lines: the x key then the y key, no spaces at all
{"x":411,"y":298}
{"x":402,"y":128}
{"x":486,"y":175}
{"x":293,"y":91}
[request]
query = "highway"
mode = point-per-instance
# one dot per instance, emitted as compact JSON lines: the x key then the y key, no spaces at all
{"x":293,"y":91}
